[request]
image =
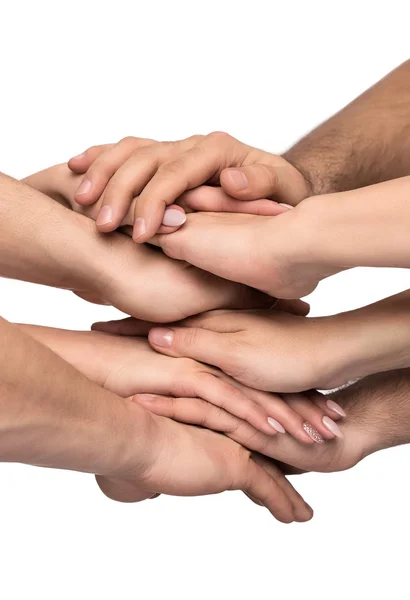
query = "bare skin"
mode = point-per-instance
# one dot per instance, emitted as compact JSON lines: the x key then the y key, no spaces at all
{"x":53,"y":416}
{"x":365,"y":143}
{"x":378,"y":417}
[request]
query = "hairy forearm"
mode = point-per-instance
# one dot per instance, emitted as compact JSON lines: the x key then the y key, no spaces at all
{"x":379,"y":407}
{"x":51,"y":415}
{"x":367,"y":142}
{"x":42,"y":242}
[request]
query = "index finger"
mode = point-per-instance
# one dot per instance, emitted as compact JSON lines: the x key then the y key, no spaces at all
{"x":200,"y":164}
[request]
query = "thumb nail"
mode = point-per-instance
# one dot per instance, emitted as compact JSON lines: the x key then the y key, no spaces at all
{"x":161,"y":337}
{"x":238,"y":179}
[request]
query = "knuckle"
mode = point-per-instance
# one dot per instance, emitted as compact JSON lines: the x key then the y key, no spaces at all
{"x":189,"y":338}
{"x":219,"y":137}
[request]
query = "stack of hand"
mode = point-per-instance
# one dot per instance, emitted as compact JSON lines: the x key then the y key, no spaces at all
{"x":216,"y":241}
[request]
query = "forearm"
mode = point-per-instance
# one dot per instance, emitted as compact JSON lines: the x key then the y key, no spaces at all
{"x":51,"y":415}
{"x":365,"y":143}
{"x":368,"y":340}
{"x":367,"y":227}
{"x":78,"y":348}
{"x":51,"y":182}
{"x":42,"y":242}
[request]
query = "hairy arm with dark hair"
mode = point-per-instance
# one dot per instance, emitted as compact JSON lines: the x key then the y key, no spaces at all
{"x":367,"y":142}
{"x":377,"y":417}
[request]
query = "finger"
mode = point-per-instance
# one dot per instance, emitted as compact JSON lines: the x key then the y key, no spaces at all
{"x":282,"y":417}
{"x":132,"y":176}
{"x":104,"y":166}
{"x":280,"y":181}
{"x":215,"y":199}
{"x":127,"y":327}
{"x":236,"y":401}
{"x":203,"y":345}
{"x":83,"y":161}
{"x":196,"y":411}
{"x":264,"y":487}
{"x":302,"y":511}
{"x":329,"y":406}
{"x":316,"y":424}
{"x":192,"y":168}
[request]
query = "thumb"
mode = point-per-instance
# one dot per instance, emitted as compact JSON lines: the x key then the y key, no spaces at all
{"x":191,"y":342}
{"x":281,"y":182}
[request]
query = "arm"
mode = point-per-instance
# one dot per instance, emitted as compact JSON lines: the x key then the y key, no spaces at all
{"x":52,"y":416}
{"x":378,"y":417}
{"x":53,"y":246}
{"x":365,"y":143}
{"x":285,"y":353}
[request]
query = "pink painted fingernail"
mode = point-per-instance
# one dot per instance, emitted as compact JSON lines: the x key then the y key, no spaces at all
{"x":84,"y":188}
{"x":104,"y":216}
{"x":161,"y":337}
{"x":276,"y":425}
{"x":238,"y":178}
{"x":288,"y":206}
{"x":332,"y":427}
{"x":335,"y":407}
{"x":313,"y":433}
{"x":139,"y":228}
{"x":173,"y":218}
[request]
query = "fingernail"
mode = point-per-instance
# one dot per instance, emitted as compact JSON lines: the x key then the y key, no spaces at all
{"x":79,"y":156}
{"x":104,"y":216}
{"x":161,"y":337}
{"x":238,"y":178}
{"x":139,"y":228}
{"x":173,"y":218}
{"x":84,"y":187}
{"x":288,"y":206}
{"x":332,"y":427}
{"x":276,"y":425}
{"x":335,"y":407}
{"x":313,"y":433}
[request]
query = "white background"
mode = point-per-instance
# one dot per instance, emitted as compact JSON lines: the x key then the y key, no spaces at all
{"x":78,"y":73}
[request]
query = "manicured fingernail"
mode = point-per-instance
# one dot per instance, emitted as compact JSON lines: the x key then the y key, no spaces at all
{"x":139,"y":228}
{"x":313,"y":433}
{"x":332,"y":427}
{"x":161,"y":337}
{"x":78,"y":156}
{"x":238,"y":178}
{"x":288,"y":206}
{"x":173,"y":218}
{"x":85,"y":187}
{"x":274,"y":423}
{"x":104,"y":216}
{"x":335,"y":407}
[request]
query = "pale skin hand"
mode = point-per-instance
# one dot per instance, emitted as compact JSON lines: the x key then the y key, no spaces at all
{"x":127,"y":366}
{"x":160,"y":172}
{"x":53,"y":416}
{"x":277,"y":351}
{"x":378,"y":417}
{"x":341,"y":154}
{"x":57,"y":247}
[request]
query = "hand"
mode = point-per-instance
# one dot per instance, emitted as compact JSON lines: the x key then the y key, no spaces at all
{"x":265,"y":349}
{"x":128,"y":365}
{"x":267,"y":253}
{"x":161,"y":172}
{"x":202,"y":462}
{"x":377,"y":410}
